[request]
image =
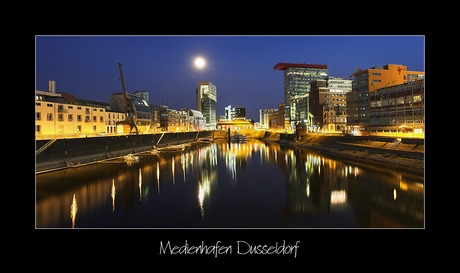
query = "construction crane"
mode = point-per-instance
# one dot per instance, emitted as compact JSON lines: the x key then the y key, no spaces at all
{"x":130,"y":110}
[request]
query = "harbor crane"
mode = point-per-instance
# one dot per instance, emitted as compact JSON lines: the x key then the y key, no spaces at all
{"x":130,"y":110}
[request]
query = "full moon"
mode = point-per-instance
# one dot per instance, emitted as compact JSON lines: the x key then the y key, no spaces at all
{"x":200,"y":63}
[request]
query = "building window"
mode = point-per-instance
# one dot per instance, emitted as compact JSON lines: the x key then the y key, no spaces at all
{"x":101,"y":119}
{"x":78,"y":128}
{"x":49,"y":116}
{"x":38,"y":116}
{"x":78,"y":117}
{"x":38,"y":128}
{"x":94,"y":128}
{"x":60,"y":117}
{"x":70,"y":117}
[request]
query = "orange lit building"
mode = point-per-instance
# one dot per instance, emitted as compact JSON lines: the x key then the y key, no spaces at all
{"x":56,"y":117}
{"x":367,"y":81}
{"x":235,"y":125}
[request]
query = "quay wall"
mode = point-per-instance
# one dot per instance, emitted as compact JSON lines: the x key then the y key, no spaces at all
{"x":74,"y":151}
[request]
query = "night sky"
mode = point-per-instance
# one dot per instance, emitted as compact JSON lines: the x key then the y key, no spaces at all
{"x":241,"y":67}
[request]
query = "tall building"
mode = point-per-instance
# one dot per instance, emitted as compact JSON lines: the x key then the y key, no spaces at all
{"x":331,"y":91}
{"x":297,"y":80}
{"x":367,"y":81}
{"x":206,"y":98}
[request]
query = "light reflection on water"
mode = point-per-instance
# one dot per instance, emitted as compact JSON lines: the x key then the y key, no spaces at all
{"x":254,"y":184}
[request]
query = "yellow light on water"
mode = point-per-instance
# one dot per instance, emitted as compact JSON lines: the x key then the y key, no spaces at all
{"x":73,"y":210}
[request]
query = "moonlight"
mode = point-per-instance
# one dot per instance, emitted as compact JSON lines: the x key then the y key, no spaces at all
{"x":200,"y":63}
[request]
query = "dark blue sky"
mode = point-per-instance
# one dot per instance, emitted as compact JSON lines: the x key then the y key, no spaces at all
{"x":241,"y":67}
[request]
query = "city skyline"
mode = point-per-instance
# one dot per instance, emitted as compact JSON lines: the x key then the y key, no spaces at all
{"x":241,"y":66}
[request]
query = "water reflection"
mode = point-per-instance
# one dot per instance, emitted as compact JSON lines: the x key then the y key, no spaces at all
{"x":254,"y":184}
{"x":73,"y":211}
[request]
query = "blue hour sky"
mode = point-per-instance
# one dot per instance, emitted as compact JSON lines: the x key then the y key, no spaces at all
{"x":241,"y":67}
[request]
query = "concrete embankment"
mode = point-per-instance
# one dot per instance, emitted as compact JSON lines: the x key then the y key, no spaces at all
{"x":70,"y":152}
{"x":406,"y":153}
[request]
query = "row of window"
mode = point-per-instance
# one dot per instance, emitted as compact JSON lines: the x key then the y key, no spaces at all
{"x":61,"y":107}
{"x":38,"y":128}
{"x":49,"y":117}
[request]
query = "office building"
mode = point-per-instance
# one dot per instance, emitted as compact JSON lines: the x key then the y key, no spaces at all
{"x":367,"y":81}
{"x":331,"y":91}
{"x":206,"y":98}
{"x":276,"y":119}
{"x":144,"y":116}
{"x":263,"y":117}
{"x":398,"y":110}
{"x":297,"y":80}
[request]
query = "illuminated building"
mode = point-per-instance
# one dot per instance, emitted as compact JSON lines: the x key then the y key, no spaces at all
{"x":235,"y":125}
{"x":276,"y":119}
{"x":332,"y":91}
{"x":144,"y":116}
{"x":398,"y":110}
{"x":55,"y":117}
{"x":206,"y":98}
{"x":334,"y":117}
{"x":297,"y":80}
{"x":172,"y":120}
{"x":195,"y":120}
{"x":263,"y":117}
{"x":235,"y":113}
{"x":367,"y":81}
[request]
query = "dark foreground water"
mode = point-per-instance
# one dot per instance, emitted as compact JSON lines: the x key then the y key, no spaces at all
{"x":261,"y":185}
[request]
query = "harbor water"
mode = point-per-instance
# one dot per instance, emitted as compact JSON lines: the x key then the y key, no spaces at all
{"x":230,"y":185}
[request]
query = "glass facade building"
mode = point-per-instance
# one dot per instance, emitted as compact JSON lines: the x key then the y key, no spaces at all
{"x":297,"y":80}
{"x":206,"y":99}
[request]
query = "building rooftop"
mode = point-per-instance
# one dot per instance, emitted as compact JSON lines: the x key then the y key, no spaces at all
{"x":283,"y":66}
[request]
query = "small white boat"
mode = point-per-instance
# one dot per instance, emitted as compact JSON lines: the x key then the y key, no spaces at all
{"x":130,"y":158}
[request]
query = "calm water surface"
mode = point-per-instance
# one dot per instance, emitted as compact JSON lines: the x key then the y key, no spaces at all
{"x":255,"y":184}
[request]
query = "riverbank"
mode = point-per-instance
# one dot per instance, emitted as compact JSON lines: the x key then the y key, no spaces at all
{"x":382,"y":151}
{"x":74,"y":152}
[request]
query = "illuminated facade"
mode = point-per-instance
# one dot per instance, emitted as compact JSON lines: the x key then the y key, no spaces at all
{"x":367,"y":81}
{"x":398,"y":110}
{"x":332,"y":91}
{"x":276,"y":119}
{"x":235,"y":125}
{"x":263,"y":117}
{"x":56,"y":117}
{"x":206,"y":99}
{"x":297,"y":80}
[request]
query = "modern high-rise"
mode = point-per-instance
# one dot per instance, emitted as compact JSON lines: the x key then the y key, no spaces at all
{"x":206,"y":98}
{"x":297,"y":80}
